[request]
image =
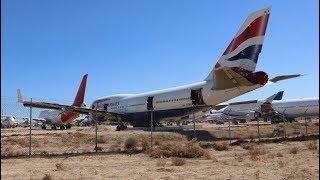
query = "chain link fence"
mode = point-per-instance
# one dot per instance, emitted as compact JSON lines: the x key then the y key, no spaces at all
{"x":89,"y":137}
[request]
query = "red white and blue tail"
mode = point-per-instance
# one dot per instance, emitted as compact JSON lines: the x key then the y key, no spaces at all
{"x":242,"y":53}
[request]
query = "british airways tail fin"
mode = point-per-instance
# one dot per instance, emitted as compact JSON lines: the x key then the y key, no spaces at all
{"x":241,"y":56}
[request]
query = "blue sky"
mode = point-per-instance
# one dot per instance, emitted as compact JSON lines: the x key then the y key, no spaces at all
{"x":135,"y":46}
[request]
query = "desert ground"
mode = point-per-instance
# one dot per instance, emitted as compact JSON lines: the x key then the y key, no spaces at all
{"x":70,"y":154}
{"x":280,"y":161}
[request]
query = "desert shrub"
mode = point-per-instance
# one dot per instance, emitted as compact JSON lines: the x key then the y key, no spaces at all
{"x":248,"y":146}
{"x":238,"y":157}
{"x":294,"y":150}
{"x":144,"y":144}
{"x":222,"y":146}
{"x":257,"y":175}
{"x":312,"y":145}
{"x":60,"y":166}
{"x":207,"y":155}
{"x":130,"y":144}
{"x":255,"y":152}
{"x":281,"y":164}
{"x":186,"y":150}
{"x":114,"y":148}
{"x":102,"y":139}
{"x":161,"y":163}
{"x":47,"y":177}
{"x":178,"y":161}
{"x":279,"y":154}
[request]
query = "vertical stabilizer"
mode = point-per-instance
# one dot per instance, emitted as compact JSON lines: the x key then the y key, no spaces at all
{"x":241,"y":56}
{"x":81,"y":92}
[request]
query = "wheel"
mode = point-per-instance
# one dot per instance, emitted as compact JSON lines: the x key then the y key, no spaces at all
{"x":54,"y":127}
{"x":118,"y":128}
{"x":43,"y":126}
{"x":62,"y":127}
{"x":68,"y":126}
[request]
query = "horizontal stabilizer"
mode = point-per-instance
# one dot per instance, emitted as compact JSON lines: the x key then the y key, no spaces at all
{"x":284,"y":77}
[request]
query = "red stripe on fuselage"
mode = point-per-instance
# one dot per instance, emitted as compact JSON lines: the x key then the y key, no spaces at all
{"x":256,"y":28}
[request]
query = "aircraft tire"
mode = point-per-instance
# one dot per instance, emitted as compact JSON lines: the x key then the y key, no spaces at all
{"x":68,"y":126}
{"x":43,"y":127}
{"x":54,"y":127}
{"x":118,"y":128}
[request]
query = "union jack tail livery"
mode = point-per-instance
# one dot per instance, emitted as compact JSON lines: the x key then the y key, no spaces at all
{"x":241,"y":56}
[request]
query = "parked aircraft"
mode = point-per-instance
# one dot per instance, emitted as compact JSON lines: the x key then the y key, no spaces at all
{"x":274,"y":111}
{"x":241,"y":111}
{"x":8,"y":121}
{"x":233,"y":75}
{"x":60,"y":117}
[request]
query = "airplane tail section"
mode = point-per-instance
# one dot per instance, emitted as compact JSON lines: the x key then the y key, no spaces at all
{"x":277,"y":96}
{"x":238,"y":62}
{"x":78,"y":101}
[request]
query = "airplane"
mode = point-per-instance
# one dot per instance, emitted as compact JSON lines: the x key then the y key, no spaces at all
{"x":277,"y":111}
{"x":8,"y":121}
{"x":59,"y":117}
{"x":233,"y":75}
{"x":242,"y":111}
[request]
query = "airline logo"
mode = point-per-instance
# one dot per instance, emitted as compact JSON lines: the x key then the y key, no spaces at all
{"x":244,"y":49}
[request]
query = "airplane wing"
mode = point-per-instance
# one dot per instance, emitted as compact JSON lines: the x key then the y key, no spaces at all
{"x":56,"y":106}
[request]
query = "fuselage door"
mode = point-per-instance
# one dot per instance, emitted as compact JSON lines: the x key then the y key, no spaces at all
{"x":150,"y":103}
{"x":105,"y":107}
{"x":196,"y":97}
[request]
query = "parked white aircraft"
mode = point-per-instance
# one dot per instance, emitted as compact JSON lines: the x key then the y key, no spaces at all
{"x":233,"y":75}
{"x":288,"y":109}
{"x":242,"y":111}
{"x":60,"y":117}
{"x":8,"y":121}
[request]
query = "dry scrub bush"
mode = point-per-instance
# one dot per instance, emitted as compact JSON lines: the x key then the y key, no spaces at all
{"x":222,"y":146}
{"x":281,"y":164}
{"x":60,"y":167}
{"x":47,"y":177}
{"x":312,"y":145}
{"x":279,"y":154}
{"x":248,"y":146}
{"x":161,"y":163}
{"x":144,"y":144}
{"x":178,"y":161}
{"x":102,"y":139}
{"x":294,"y":150}
{"x":257,"y":175}
{"x":130,"y":144}
{"x":255,"y":152}
{"x":238,"y":157}
{"x":187,"y":150}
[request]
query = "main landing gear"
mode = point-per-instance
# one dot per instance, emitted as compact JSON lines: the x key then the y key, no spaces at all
{"x":121,"y":127}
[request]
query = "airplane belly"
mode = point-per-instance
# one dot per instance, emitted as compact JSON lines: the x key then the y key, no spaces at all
{"x":139,"y":117}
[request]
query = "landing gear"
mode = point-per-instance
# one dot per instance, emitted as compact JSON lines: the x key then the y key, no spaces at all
{"x":68,"y":126}
{"x":53,"y":127}
{"x":121,"y":127}
{"x":62,"y":127}
{"x":43,"y":126}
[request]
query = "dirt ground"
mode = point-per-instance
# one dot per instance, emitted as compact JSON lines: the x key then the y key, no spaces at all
{"x":279,"y":162}
{"x":287,"y":160}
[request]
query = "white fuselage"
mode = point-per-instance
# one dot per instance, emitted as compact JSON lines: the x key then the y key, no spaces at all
{"x":166,"y":102}
{"x":289,"y":108}
{"x":51,"y":116}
